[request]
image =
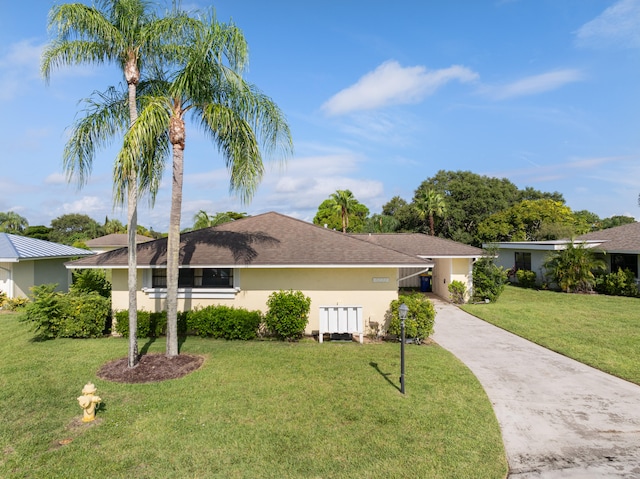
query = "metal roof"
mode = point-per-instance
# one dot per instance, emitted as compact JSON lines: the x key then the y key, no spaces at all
{"x":14,"y":248}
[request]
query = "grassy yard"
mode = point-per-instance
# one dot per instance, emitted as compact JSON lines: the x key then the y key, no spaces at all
{"x":602,"y":331}
{"x":254,"y":410}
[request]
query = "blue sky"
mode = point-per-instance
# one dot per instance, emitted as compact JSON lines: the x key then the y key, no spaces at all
{"x":379,"y":97}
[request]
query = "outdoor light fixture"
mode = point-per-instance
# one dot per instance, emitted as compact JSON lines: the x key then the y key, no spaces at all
{"x":402,"y":312}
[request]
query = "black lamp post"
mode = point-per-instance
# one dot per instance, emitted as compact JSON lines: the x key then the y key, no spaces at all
{"x":402,"y":312}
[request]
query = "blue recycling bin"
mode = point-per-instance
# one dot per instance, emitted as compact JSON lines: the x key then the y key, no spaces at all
{"x":425,"y":284}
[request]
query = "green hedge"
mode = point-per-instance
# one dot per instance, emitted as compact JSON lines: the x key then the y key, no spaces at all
{"x":212,"y":321}
{"x":224,"y":322}
{"x":150,"y":324}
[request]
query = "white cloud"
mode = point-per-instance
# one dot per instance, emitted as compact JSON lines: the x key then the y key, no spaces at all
{"x":618,"y":25}
{"x":55,"y":179}
{"x":87,"y":205}
{"x":19,"y":66}
{"x":392,"y":84}
{"x":535,"y":84}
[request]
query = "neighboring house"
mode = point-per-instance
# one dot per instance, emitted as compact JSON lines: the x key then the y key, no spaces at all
{"x":242,"y":262}
{"x":620,"y":245}
{"x":113,"y":241}
{"x":27,"y":262}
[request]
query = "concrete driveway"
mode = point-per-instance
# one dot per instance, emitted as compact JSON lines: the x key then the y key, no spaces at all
{"x":559,"y":418}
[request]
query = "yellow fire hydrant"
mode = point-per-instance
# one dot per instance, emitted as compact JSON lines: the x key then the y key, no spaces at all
{"x":88,"y":401}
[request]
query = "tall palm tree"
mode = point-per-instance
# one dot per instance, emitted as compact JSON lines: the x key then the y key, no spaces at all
{"x":207,"y":84}
{"x":429,"y":204}
{"x":344,"y":203}
{"x":124,"y":32}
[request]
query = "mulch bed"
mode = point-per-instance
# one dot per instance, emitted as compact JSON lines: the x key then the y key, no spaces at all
{"x":151,"y":368}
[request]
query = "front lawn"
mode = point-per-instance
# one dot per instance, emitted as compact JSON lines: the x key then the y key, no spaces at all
{"x":254,"y":410}
{"x":601,"y":331}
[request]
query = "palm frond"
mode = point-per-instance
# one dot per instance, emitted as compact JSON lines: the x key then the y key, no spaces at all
{"x":144,"y":151}
{"x":106,"y":115}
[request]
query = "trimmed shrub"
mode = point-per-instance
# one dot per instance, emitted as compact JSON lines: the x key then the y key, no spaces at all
{"x":526,"y":278}
{"x":620,"y":283}
{"x":224,"y":322}
{"x":84,"y":315}
{"x":420,"y":317}
{"x":3,"y":299}
{"x":458,"y":290}
{"x":489,"y":279}
{"x":288,"y":314}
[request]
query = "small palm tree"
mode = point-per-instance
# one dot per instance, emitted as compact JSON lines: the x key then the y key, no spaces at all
{"x":573,"y":268}
{"x":12,"y":222}
{"x":344,"y":204}
{"x":429,"y":204}
{"x":207,"y":84}
{"x":202,"y":219}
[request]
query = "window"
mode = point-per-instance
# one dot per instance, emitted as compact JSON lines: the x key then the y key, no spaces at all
{"x":196,"y":278}
{"x":523,"y":261}
{"x":624,"y":261}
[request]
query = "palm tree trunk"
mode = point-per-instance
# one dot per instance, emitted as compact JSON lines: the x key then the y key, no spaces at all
{"x":173,"y":241}
{"x":132,"y":229}
{"x":431,"y":225}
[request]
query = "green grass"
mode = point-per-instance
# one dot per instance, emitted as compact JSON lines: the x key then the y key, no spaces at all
{"x":254,"y":410}
{"x":601,"y":331}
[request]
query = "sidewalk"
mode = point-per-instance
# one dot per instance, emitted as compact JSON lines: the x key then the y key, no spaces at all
{"x":559,"y":418}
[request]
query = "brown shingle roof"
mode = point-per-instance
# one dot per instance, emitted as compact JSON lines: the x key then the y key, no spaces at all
{"x":116,"y":240}
{"x":270,"y":239}
{"x":419,"y":244}
{"x":621,"y":239}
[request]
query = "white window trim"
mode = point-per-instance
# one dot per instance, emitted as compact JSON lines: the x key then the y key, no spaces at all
{"x":191,"y":293}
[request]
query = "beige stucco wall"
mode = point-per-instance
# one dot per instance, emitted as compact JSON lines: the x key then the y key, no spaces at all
{"x":451,"y":269}
{"x":325,"y":287}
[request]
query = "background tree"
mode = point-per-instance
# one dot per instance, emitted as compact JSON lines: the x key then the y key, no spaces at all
{"x":12,"y":222}
{"x":404,"y":213}
{"x":588,"y":218}
{"x":617,"y":220}
{"x":531,"y":220}
{"x":207,"y":82}
{"x":430,"y":204}
{"x":127,"y":33}
{"x":38,"y":232}
{"x":73,"y":228}
{"x":113,"y":226}
{"x":330,"y":213}
{"x":381,"y":224}
{"x":573,"y":268}
{"x":470,"y":198}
